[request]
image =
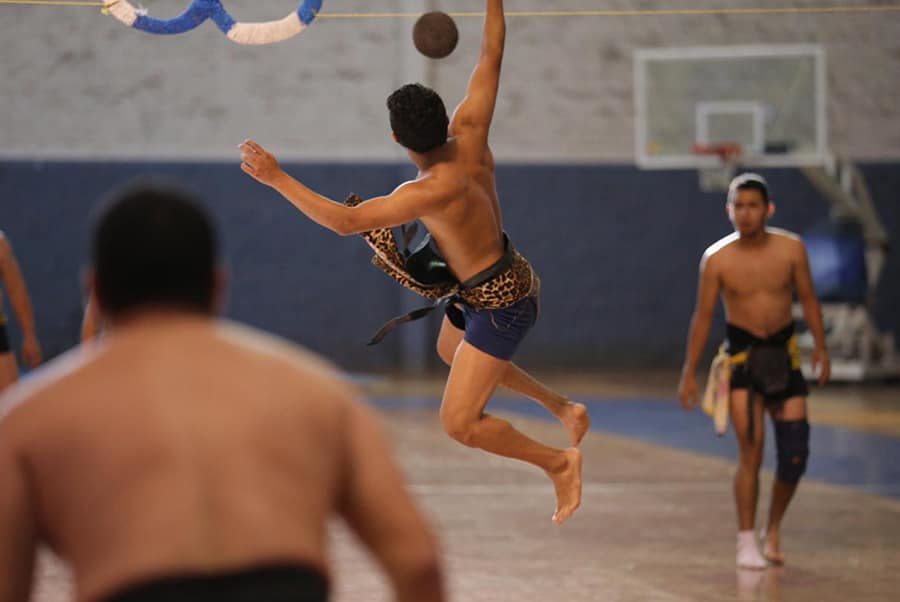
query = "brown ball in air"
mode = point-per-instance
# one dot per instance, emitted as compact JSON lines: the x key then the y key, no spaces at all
{"x":435,"y":35}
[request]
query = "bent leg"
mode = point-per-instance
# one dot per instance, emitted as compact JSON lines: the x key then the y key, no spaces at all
{"x":474,"y":375}
{"x":573,"y":416}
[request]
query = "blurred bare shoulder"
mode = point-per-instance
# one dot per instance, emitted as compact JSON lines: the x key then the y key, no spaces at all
{"x":719,"y":248}
{"x":44,"y":384}
{"x":306,"y":367}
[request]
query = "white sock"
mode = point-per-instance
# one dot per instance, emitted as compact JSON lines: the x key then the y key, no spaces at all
{"x":748,"y":556}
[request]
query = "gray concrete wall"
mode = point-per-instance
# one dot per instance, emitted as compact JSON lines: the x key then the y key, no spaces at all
{"x":77,"y":84}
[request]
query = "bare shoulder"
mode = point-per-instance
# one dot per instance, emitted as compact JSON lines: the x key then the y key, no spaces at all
{"x":788,"y":241}
{"x":293,"y":362}
{"x":472,"y":150}
{"x":451,"y":175}
{"x":42,"y":384}
{"x":443,"y":180}
{"x":719,"y":250}
{"x":785,"y":236}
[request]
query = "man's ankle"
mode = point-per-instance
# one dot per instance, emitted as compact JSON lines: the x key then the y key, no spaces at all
{"x":559,"y":464}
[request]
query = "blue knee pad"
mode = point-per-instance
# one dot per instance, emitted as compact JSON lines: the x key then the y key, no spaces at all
{"x":792,"y":443}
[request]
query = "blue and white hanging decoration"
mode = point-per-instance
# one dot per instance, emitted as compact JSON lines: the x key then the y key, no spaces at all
{"x":200,"y":10}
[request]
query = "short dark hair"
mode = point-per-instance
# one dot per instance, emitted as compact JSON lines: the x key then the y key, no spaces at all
{"x":748,"y":181}
{"x":153,"y":245}
{"x":418,"y":117}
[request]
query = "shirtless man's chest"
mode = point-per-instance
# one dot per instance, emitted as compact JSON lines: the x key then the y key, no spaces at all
{"x":760,"y":271}
{"x":757,"y":283}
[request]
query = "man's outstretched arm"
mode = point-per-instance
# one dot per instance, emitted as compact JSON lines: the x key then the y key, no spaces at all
{"x":408,"y":202}
{"x":475,"y":112}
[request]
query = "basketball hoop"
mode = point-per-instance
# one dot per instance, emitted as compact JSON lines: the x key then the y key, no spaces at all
{"x":717,"y":177}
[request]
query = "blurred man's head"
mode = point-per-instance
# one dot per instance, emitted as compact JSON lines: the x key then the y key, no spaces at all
{"x":154,"y":247}
{"x":418,"y":118}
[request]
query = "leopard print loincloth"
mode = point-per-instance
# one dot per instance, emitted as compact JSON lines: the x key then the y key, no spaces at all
{"x":513,"y":284}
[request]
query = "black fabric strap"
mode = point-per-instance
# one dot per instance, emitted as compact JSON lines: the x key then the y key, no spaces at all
{"x":486,"y":275}
{"x":392,"y":324}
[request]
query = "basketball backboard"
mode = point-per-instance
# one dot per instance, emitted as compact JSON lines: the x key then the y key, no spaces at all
{"x":769,"y":100}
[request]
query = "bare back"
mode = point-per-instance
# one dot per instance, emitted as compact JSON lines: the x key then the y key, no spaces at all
{"x":757,"y":280}
{"x":469,"y":229}
{"x":190,"y":446}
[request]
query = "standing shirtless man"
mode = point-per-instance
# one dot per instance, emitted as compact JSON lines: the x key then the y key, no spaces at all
{"x":757,"y":270}
{"x":14,"y":283}
{"x":455,"y":197}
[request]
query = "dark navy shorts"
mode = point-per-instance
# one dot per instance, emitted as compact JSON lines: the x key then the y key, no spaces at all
{"x":264,"y":584}
{"x":496,"y":332}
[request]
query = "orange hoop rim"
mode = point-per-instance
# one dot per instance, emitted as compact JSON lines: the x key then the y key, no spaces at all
{"x":725,"y":150}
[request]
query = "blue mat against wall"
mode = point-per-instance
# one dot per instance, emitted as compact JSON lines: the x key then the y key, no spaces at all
{"x":617,"y":249}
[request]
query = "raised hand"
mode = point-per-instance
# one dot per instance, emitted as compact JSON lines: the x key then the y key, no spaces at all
{"x":259,"y":163}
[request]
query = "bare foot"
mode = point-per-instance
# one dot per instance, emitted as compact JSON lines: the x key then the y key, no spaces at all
{"x":574,"y":416}
{"x":772,"y":548}
{"x":567,"y":482}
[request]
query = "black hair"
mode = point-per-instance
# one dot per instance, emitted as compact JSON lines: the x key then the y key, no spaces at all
{"x":418,"y":117}
{"x":153,"y":245}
